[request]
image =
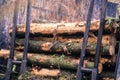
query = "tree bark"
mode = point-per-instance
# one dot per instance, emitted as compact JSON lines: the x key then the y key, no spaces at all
{"x":6,"y":20}
{"x":55,"y":61}
{"x":74,"y":38}
{"x":69,"y":48}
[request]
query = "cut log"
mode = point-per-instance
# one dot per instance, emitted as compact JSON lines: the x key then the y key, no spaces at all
{"x":48,"y":28}
{"x":60,"y":28}
{"x":61,"y":62}
{"x":46,"y":72}
{"x":76,"y":38}
{"x":70,"y":48}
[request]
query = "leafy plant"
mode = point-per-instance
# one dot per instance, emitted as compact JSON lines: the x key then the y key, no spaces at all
{"x":108,"y":20}
{"x":14,"y":68}
{"x":25,"y":75}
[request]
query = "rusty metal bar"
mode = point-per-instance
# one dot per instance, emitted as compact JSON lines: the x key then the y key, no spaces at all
{"x":100,"y":31}
{"x":85,"y":39}
{"x":28,"y":21}
{"x":15,"y":17}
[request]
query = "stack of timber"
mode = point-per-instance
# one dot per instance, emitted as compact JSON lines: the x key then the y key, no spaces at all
{"x":56,"y":62}
{"x":62,"y":37}
{"x":59,"y":45}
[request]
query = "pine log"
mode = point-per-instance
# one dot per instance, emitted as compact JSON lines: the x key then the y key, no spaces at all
{"x":70,"y":48}
{"x":48,"y":28}
{"x":61,"y":28}
{"x":48,"y":61}
{"x":44,"y":72}
{"x":61,"y":62}
{"x":76,"y":38}
{"x":56,"y":61}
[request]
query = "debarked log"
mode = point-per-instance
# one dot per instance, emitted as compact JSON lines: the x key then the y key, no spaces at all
{"x":59,"y":28}
{"x":70,"y":48}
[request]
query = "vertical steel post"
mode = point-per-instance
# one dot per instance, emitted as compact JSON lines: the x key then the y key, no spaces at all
{"x":11,"y":56}
{"x":100,"y":31}
{"x":28,"y":21}
{"x":117,"y":69}
{"x":85,"y":39}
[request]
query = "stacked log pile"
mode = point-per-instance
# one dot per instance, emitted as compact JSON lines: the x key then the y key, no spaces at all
{"x":61,"y":37}
{"x":59,"y":44}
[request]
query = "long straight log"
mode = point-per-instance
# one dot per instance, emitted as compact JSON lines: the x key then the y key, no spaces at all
{"x":45,"y":60}
{"x":61,"y":28}
{"x":48,"y":28}
{"x":72,"y":48}
{"x":76,"y":38}
{"x":57,"y":61}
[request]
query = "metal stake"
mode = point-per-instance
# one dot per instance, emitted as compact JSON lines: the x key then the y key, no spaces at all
{"x":117,"y":69}
{"x":85,"y":39}
{"x":28,"y":21}
{"x":100,"y":31}
{"x":11,"y":56}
